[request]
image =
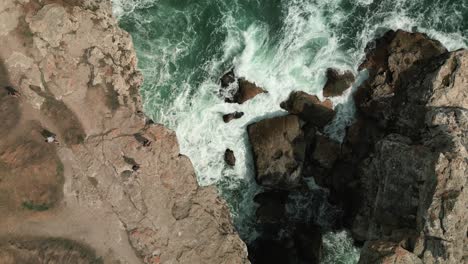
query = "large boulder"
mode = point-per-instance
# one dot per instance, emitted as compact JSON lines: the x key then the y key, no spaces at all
{"x":309,"y":108}
{"x":278,"y":148}
{"x":337,"y":82}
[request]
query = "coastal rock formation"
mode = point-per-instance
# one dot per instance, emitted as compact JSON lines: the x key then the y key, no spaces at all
{"x":229,"y":157}
{"x":337,"y":82}
{"x":244,"y":91}
{"x":229,"y":117}
{"x":114,"y":182}
{"x":417,"y":177}
{"x":400,"y":174}
{"x":278,"y":148}
{"x":309,"y":108}
{"x":411,"y":171}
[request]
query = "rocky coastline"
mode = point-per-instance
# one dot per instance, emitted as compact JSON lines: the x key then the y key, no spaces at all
{"x":85,"y":177}
{"x":397,"y":180}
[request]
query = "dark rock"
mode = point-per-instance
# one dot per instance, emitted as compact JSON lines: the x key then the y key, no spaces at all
{"x":228,"y":78}
{"x":309,"y":108}
{"x":245,"y":92}
{"x":387,"y":59}
{"x":308,"y":242}
{"x":271,"y":137}
{"x":272,"y":207}
{"x":337,"y":82}
{"x":326,"y":151}
{"x":229,"y":117}
{"x":229,"y":157}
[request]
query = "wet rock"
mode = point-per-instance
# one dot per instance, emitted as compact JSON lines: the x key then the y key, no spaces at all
{"x":229,"y":117}
{"x":326,"y":151}
{"x":245,"y":92}
{"x":278,"y":147}
{"x":337,"y":82}
{"x":309,"y":108}
{"x":229,"y":157}
{"x":228,"y":78}
{"x":412,"y":169}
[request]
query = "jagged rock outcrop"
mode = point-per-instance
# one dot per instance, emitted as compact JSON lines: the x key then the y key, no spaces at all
{"x":413,"y":173}
{"x":114,"y":182}
{"x":309,"y":108}
{"x":278,"y":148}
{"x":241,"y":93}
{"x":337,"y":82}
{"x":400,"y":174}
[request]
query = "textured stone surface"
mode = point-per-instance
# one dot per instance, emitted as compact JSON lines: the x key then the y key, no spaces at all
{"x":337,"y":82}
{"x":114,"y":183}
{"x":309,"y":108}
{"x":278,"y":148}
{"x":414,"y":183}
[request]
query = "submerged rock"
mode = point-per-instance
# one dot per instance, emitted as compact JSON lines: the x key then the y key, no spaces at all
{"x":337,"y":82}
{"x":229,"y":117}
{"x":309,"y":108}
{"x":229,"y":157}
{"x":278,"y":147}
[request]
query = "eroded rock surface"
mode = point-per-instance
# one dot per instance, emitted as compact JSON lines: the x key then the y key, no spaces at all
{"x":114,"y":182}
{"x":407,"y":154}
{"x":309,"y":108}
{"x":337,"y":82}
{"x":279,"y":148}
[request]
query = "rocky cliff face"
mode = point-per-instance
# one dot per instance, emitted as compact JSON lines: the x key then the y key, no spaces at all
{"x":414,"y":180}
{"x":114,"y":183}
{"x":400,"y":175}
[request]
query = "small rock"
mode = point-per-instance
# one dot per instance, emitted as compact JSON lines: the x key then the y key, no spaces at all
{"x":337,"y":82}
{"x":229,"y":117}
{"x":245,"y":92}
{"x":309,"y":108}
{"x":229,"y":157}
{"x":228,"y":78}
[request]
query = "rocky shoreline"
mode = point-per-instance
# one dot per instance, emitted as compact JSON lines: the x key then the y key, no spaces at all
{"x":105,"y":185}
{"x":398,"y":178}
{"x":86,"y":177}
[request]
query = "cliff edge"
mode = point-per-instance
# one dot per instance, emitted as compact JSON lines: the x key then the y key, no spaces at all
{"x":84,"y":177}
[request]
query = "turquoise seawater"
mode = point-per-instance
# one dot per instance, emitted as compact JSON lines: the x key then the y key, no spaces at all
{"x":184,"y":46}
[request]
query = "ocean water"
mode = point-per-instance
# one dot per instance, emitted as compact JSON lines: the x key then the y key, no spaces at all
{"x":184,"y":46}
